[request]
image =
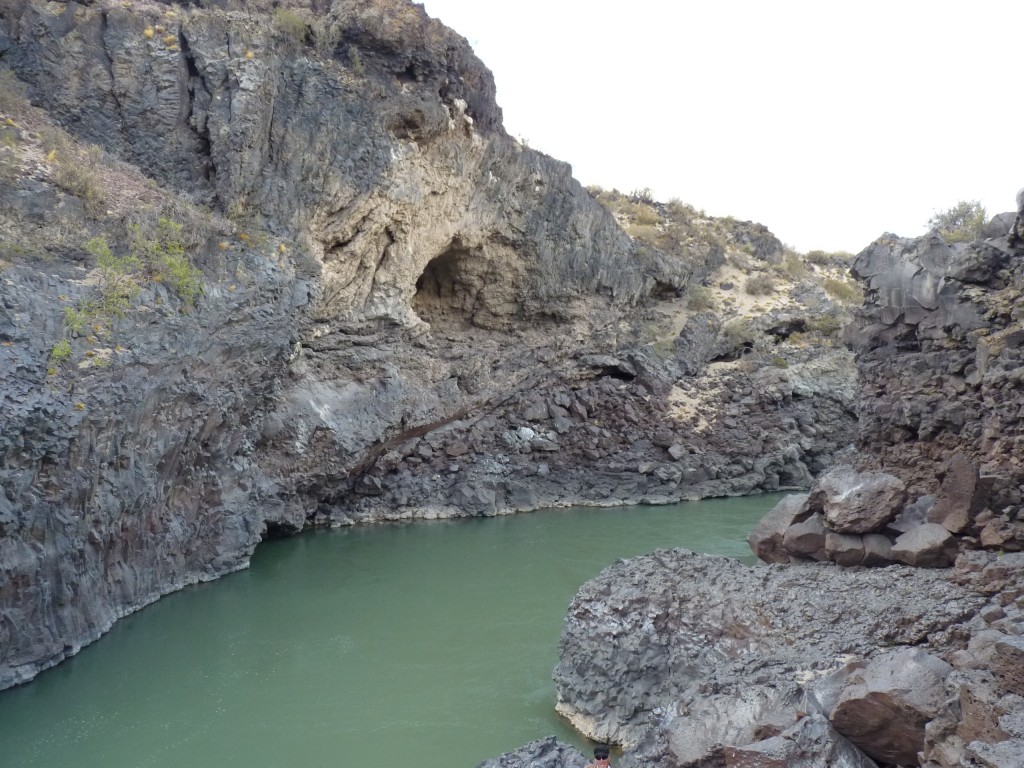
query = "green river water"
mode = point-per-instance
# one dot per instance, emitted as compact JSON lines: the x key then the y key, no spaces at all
{"x":428,"y":645}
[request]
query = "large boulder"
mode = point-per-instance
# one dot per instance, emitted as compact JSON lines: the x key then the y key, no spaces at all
{"x":858,"y":502}
{"x":884,"y":709}
{"x":845,"y":549}
{"x":806,"y":539}
{"x":877,"y":550}
{"x":766,"y":540}
{"x":811,"y":743}
{"x":961,"y":497}
{"x":927,"y":546}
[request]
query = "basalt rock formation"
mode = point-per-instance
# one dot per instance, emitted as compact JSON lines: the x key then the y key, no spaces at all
{"x":543,"y":753}
{"x":696,"y":661}
{"x":940,"y":357}
{"x":268,"y":265}
{"x":686,"y":659}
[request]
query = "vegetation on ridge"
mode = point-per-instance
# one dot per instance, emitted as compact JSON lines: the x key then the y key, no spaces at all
{"x":744,"y":275}
{"x":961,"y":223}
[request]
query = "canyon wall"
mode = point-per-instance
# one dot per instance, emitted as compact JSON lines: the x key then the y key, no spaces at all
{"x":273,"y":265}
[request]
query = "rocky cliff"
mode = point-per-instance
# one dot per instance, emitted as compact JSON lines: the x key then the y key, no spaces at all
{"x":700,"y":662}
{"x":272,"y":265}
{"x":940,"y":354}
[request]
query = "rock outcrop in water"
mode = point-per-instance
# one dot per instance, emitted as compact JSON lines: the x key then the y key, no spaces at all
{"x":697,"y":661}
{"x":272,"y":265}
{"x":543,"y":753}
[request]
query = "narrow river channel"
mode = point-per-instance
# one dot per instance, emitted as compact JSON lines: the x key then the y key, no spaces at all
{"x":427,"y":645}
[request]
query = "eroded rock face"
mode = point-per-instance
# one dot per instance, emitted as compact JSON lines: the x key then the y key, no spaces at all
{"x":645,"y":643}
{"x":939,"y":342}
{"x":404,"y":314}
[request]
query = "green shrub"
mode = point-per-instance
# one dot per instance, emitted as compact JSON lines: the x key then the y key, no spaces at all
{"x":826,"y":325}
{"x":76,"y":320}
{"x":117,"y":285}
{"x":326,"y":36}
{"x":161,"y":250}
{"x":291,"y":25}
{"x":793,"y":266}
{"x":679,"y":211}
{"x":760,"y":284}
{"x":61,"y":351}
{"x":645,"y":196}
{"x":183,"y":278}
{"x":642,"y":213}
{"x":355,"y":60}
{"x":700,"y":297}
{"x":961,"y":223}
{"x":645,"y":232}
{"x":844,"y":291}
{"x":77,"y":173}
{"x":738,"y":332}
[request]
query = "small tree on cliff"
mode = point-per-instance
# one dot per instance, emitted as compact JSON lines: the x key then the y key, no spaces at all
{"x":961,"y":223}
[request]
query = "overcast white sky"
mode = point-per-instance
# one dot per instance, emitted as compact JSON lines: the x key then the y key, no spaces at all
{"x":829,"y":122}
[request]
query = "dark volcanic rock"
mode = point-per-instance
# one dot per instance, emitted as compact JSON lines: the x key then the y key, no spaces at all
{"x":645,"y":642}
{"x":857,"y":502}
{"x":401,"y":312}
{"x":940,"y":353}
{"x":197,"y":431}
{"x":885,"y":705}
{"x":926,"y":546}
{"x":767,"y":539}
{"x":543,"y":753}
{"x":811,"y":743}
{"x":806,"y":539}
{"x":962,"y":496}
{"x":700,"y":662}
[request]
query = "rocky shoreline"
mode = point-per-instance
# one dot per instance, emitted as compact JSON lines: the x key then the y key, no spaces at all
{"x":901,"y":645}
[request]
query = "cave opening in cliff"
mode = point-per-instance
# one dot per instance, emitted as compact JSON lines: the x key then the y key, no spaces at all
{"x":276,"y":529}
{"x":446,"y":292}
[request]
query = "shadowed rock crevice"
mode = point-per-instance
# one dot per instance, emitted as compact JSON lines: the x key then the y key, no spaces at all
{"x":445,"y":292}
{"x":461,"y":288}
{"x":198,"y":92}
{"x":275,"y":529}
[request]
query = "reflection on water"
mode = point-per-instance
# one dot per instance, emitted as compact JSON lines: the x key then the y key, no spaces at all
{"x":429,"y":644}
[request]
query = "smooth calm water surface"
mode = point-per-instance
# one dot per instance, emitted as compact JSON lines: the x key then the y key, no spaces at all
{"x":428,"y":645}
